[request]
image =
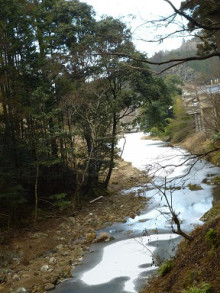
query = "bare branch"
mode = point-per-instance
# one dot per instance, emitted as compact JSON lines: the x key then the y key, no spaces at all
{"x":192,"y":20}
{"x":193,"y":58}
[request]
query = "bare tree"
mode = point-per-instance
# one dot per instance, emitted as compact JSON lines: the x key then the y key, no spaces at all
{"x":211,"y":112}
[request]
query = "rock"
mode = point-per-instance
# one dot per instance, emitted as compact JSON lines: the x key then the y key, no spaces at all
{"x":107,"y":224}
{"x":143,"y":220}
{"x":17,"y":260}
{"x":64,"y":253}
{"x":90,"y":236}
{"x":49,"y":286}
{"x":16,"y":277}
{"x":52,"y":260}
{"x":72,"y":220}
{"x":20,"y":290}
{"x":62,"y":238}
{"x":104,"y":237}
{"x":38,"y":235}
{"x":25,"y":276}
{"x":44,"y":268}
{"x":65,"y":274}
{"x":130,"y":232}
{"x":78,"y":251}
{"x":59,"y":247}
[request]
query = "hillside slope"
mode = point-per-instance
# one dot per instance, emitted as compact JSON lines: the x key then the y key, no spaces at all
{"x":196,"y":267}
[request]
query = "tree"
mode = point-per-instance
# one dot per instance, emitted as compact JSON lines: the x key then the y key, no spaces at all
{"x":38,"y":40}
{"x":158,"y":109}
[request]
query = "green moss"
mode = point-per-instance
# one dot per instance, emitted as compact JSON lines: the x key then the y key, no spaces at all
{"x":165,"y":268}
{"x":215,"y":180}
{"x":211,"y":214}
{"x":203,"y":288}
{"x":193,"y":187}
{"x":190,"y":277}
{"x":212,"y":238}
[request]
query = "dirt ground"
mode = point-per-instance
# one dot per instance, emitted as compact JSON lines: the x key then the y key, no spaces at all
{"x":37,"y":259}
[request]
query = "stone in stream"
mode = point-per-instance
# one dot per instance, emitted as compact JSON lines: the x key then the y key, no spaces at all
{"x":90,"y":236}
{"x":104,"y":237}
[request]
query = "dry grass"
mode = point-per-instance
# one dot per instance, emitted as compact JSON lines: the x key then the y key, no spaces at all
{"x":196,"y":143}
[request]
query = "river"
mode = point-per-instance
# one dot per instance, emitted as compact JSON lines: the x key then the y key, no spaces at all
{"x":124,"y":264}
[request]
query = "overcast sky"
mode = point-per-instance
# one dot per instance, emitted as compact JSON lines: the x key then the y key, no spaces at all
{"x":142,"y":10}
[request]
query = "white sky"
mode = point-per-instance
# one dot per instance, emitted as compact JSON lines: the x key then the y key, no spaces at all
{"x":142,"y":10}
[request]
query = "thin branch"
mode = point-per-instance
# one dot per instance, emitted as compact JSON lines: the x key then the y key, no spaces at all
{"x":192,"y":20}
{"x":180,"y":60}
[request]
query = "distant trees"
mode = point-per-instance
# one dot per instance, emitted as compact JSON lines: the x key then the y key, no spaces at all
{"x":158,"y":111}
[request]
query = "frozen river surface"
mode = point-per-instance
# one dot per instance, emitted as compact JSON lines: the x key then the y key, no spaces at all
{"x":123,"y":265}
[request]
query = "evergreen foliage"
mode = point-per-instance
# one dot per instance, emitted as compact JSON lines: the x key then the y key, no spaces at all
{"x":62,"y":96}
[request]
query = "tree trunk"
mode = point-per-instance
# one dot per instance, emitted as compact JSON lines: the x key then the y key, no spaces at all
{"x":215,"y":17}
{"x":36,"y":192}
{"x":112,"y":154}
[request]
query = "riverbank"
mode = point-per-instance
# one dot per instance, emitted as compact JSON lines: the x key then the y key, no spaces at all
{"x":38,"y":258}
{"x":196,"y":266}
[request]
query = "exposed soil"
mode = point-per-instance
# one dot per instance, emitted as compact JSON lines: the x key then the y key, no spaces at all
{"x":196,"y":262}
{"x":39,"y":258}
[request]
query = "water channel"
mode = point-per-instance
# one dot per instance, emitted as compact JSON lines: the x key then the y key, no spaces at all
{"x":124,"y":264}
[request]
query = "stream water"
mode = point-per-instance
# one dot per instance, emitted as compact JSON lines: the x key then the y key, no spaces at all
{"x":124,"y":264}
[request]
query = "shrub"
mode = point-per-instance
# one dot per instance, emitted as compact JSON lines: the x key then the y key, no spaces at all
{"x":203,"y":288}
{"x":194,"y":187}
{"x":211,"y":238}
{"x":165,"y":268}
{"x":61,"y":200}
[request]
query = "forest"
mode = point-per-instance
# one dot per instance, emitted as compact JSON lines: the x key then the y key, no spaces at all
{"x":70,"y":83}
{"x":63,"y":94}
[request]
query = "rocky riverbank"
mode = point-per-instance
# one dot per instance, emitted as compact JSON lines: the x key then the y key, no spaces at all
{"x":37,"y":259}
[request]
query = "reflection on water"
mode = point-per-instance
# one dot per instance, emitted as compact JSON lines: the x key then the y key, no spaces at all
{"x":124,"y":265}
